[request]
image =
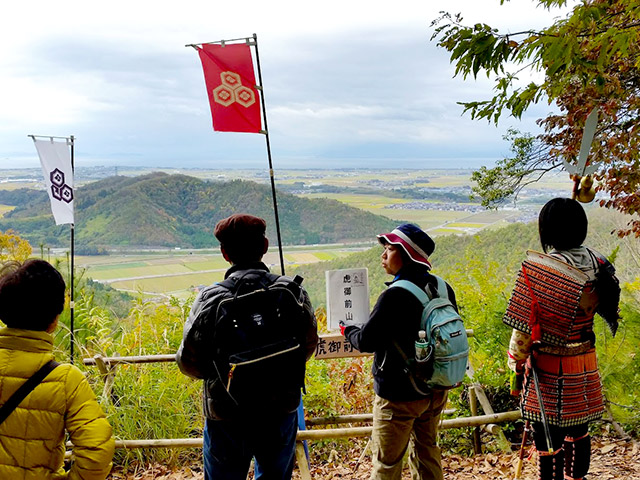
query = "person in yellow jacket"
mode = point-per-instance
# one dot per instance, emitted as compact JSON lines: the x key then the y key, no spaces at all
{"x":32,"y":438}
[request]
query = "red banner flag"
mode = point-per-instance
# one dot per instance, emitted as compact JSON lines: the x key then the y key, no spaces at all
{"x":231,"y":86}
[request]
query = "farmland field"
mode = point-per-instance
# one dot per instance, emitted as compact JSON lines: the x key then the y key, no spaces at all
{"x":4,"y":209}
{"x":437,"y":178}
{"x":379,"y":205}
{"x":180,"y":273}
{"x":435,"y":221}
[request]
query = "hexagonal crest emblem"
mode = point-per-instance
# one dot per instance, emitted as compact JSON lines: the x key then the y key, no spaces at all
{"x":245,"y":96}
{"x":223,"y":95}
{"x":57,"y":177}
{"x":66,"y":192}
{"x":231,"y":79}
{"x":55,"y":192}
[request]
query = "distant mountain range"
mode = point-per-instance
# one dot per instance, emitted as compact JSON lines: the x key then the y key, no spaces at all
{"x":160,"y":210}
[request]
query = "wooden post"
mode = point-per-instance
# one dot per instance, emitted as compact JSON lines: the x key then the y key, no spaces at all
{"x":473,"y":406}
{"x":504,"y":444}
{"x":367,"y":447}
{"x":108,"y":373}
{"x":301,"y":458}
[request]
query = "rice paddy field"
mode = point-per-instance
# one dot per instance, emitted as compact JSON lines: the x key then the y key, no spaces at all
{"x":180,"y":273}
{"x":435,"y":221}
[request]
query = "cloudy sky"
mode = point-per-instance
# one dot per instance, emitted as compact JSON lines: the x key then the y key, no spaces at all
{"x":347,"y":82}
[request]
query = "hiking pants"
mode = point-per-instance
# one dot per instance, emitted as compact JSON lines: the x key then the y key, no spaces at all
{"x":398,"y":424}
{"x":228,"y":447}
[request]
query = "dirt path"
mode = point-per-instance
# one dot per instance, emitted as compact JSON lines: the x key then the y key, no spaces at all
{"x":611,"y":459}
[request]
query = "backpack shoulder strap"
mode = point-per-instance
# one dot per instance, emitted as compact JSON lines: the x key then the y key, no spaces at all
{"x":413,"y":288}
{"x":442,"y":288}
{"x":407,"y":371}
{"x":263,"y":278}
{"x":25,"y":389}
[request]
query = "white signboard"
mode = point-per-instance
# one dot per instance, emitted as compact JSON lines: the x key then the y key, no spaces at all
{"x":347,"y":296}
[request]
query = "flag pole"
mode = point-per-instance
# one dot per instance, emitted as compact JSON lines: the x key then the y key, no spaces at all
{"x":72,"y":294}
{"x":69,"y":142}
{"x":265,"y":131}
{"x":266,"y":136}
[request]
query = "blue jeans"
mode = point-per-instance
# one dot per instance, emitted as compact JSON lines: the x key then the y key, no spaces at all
{"x":228,"y":447}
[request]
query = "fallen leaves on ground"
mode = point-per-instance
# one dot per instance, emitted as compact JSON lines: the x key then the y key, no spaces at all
{"x":611,"y":459}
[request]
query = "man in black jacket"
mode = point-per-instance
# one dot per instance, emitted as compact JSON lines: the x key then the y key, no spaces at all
{"x":263,"y":423}
{"x":400,"y":413}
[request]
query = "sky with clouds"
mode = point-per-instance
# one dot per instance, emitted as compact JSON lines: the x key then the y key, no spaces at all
{"x":347,"y":83}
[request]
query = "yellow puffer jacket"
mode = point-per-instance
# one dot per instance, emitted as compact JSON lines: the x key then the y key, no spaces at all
{"x":32,"y":438}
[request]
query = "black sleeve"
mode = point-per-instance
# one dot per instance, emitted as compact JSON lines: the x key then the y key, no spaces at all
{"x":311,"y":326}
{"x":193,"y":355}
{"x":382,"y":326}
{"x":608,"y":288}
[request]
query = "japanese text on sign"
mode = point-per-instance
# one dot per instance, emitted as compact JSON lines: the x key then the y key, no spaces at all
{"x":347,"y":296}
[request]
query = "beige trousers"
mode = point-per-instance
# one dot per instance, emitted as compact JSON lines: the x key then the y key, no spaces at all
{"x":395,"y":425}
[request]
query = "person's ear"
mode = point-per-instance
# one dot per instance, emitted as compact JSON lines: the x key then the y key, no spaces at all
{"x":53,"y":325}
{"x":224,"y":254}
{"x":266,"y":245}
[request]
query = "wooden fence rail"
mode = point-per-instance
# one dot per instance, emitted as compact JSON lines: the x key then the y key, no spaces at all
{"x":329,"y":346}
{"x":353,"y":418}
{"x":323,"y":434}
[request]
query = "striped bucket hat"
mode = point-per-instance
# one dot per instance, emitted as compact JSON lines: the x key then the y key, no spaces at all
{"x":416,"y":243}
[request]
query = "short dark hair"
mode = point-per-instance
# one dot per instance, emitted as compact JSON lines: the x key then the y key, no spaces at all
{"x":242,"y":236}
{"x":31,"y":295}
{"x":562,"y":224}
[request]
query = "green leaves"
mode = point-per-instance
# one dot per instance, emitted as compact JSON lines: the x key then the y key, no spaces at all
{"x":590,"y":58}
{"x":494,"y":186}
{"x":476,"y":48}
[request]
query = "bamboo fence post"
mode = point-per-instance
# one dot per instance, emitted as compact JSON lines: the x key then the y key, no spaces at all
{"x":491,"y":427}
{"x":108,"y":373}
{"x":367,"y":447}
{"x":107,"y":368}
{"x":301,"y":458}
{"x":473,"y":406}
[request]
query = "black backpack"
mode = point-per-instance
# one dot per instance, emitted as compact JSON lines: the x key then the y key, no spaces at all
{"x":259,"y":340}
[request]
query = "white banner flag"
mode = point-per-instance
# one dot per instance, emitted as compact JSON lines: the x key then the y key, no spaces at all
{"x":55,"y":157}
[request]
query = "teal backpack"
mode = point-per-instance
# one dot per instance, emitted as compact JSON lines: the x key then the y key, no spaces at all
{"x":446,"y":336}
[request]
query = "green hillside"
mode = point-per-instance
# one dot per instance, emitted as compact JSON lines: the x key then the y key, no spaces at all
{"x":482,"y":270}
{"x":504,"y":247}
{"x":495,"y":254}
{"x":177,"y":210}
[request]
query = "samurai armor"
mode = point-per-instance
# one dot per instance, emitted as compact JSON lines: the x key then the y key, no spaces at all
{"x":577,"y":457}
{"x":551,"y":465}
{"x":571,"y":389}
{"x":552,"y":294}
